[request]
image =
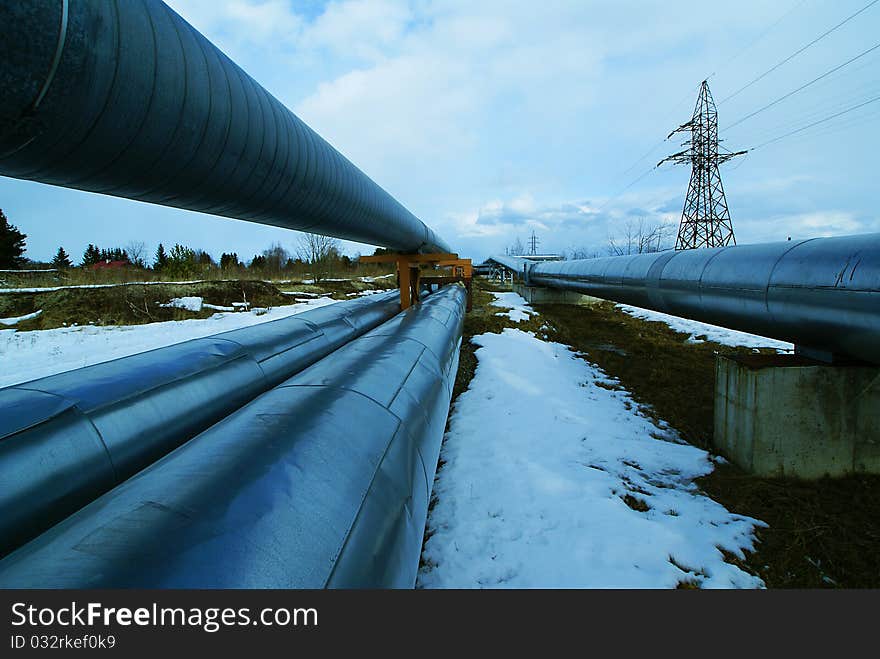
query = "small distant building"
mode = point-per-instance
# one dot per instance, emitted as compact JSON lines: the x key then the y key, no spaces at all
{"x":108,"y":265}
{"x":507,"y":267}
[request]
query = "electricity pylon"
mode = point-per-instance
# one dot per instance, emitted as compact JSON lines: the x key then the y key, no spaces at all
{"x":705,"y":219}
{"x":533,"y":244}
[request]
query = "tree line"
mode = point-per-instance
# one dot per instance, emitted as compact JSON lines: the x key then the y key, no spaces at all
{"x":315,"y":255}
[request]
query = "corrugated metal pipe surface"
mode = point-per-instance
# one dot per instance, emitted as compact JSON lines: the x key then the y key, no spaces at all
{"x":125,"y":98}
{"x":68,"y":438}
{"x":822,"y":294}
{"x":323,"y":481}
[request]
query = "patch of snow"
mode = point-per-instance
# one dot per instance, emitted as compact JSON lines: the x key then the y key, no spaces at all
{"x":363,"y":293}
{"x":216,"y":307}
{"x":698,"y":330}
{"x":45,"y":270}
{"x":539,"y":460}
{"x":18,"y":319}
{"x":519,"y":309}
{"x":372,"y":279}
{"x":304,"y":294}
{"x":49,"y":289}
{"x":29,"y":355}
{"x":190,"y":303}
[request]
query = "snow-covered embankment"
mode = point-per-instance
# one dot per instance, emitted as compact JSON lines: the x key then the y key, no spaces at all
{"x":553,"y":477}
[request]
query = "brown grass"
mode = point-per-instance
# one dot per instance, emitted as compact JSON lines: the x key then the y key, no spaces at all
{"x":134,"y":304}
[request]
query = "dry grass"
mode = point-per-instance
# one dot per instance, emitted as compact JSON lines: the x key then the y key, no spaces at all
{"x":134,"y":304}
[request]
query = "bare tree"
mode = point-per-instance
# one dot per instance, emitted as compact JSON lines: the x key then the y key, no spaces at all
{"x":319,"y":253}
{"x":579,"y":253}
{"x":641,"y":238}
{"x":517,"y":248}
{"x":276,"y":257}
{"x":137,"y":253}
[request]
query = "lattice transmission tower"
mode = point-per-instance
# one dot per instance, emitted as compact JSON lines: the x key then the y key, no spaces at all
{"x":533,"y":244}
{"x":705,"y":219}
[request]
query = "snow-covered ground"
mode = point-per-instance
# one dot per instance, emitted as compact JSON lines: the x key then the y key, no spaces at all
{"x":28,"y":355}
{"x":15,"y":320}
{"x":542,"y":454}
{"x":722,"y":335}
{"x":49,"y":289}
{"x":517,"y":308}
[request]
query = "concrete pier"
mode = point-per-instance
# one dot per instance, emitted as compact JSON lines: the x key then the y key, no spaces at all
{"x":543,"y":295}
{"x":787,"y":415}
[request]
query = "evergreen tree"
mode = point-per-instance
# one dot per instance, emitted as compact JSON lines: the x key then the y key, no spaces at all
{"x":229,"y":261}
{"x":258,"y":262}
{"x":161,"y":259}
{"x":12,"y":245}
{"x":203,"y":258}
{"x":91,"y":256}
{"x":61,"y":260}
{"x":181,"y":262}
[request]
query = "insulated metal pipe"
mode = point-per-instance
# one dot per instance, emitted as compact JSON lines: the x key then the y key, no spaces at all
{"x":821,"y":294}
{"x":68,"y":438}
{"x":124,"y":97}
{"x":323,"y":481}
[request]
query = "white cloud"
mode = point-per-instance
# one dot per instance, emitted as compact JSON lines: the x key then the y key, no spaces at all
{"x":489,"y":118}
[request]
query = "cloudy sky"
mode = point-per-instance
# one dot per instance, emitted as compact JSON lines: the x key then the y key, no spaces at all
{"x":492,"y":119}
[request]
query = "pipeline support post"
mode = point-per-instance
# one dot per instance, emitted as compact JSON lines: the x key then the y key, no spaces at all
{"x":792,"y":416}
{"x":409,"y":273}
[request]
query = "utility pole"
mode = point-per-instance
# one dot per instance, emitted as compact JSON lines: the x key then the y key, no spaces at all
{"x":533,"y":244}
{"x":705,"y":218}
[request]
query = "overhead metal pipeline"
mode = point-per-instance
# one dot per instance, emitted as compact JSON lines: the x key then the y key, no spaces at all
{"x":68,"y":438}
{"x":323,"y":481}
{"x":124,"y":97}
{"x":822,"y":294}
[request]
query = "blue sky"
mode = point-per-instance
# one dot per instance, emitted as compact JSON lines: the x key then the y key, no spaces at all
{"x":491,"y":119}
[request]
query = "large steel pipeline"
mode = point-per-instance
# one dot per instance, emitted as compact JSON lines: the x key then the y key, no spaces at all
{"x":124,"y":97}
{"x":68,"y":438}
{"x":323,"y":481}
{"x":821,"y":294}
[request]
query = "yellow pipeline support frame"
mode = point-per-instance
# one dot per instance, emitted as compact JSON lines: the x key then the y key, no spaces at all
{"x":409,"y":273}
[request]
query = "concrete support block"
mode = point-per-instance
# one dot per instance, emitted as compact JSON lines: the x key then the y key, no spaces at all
{"x":787,"y":415}
{"x":543,"y":295}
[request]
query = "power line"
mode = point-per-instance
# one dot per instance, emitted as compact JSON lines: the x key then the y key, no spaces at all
{"x":797,"y":52}
{"x":816,"y":123}
{"x":804,"y":86}
{"x":690,"y":95}
{"x":760,"y":36}
{"x":632,"y":183}
{"x":807,"y":112}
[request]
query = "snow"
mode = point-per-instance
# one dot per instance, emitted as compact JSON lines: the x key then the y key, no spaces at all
{"x":29,"y":355}
{"x":303,"y":293}
{"x":190,"y":303}
{"x":698,"y":330}
{"x":519,"y":309}
{"x":49,"y":289}
{"x":44,"y":270}
{"x":538,"y":458}
{"x":364,"y":293}
{"x":18,"y":319}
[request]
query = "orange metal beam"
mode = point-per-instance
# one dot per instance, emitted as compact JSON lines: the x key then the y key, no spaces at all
{"x":409,"y":272}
